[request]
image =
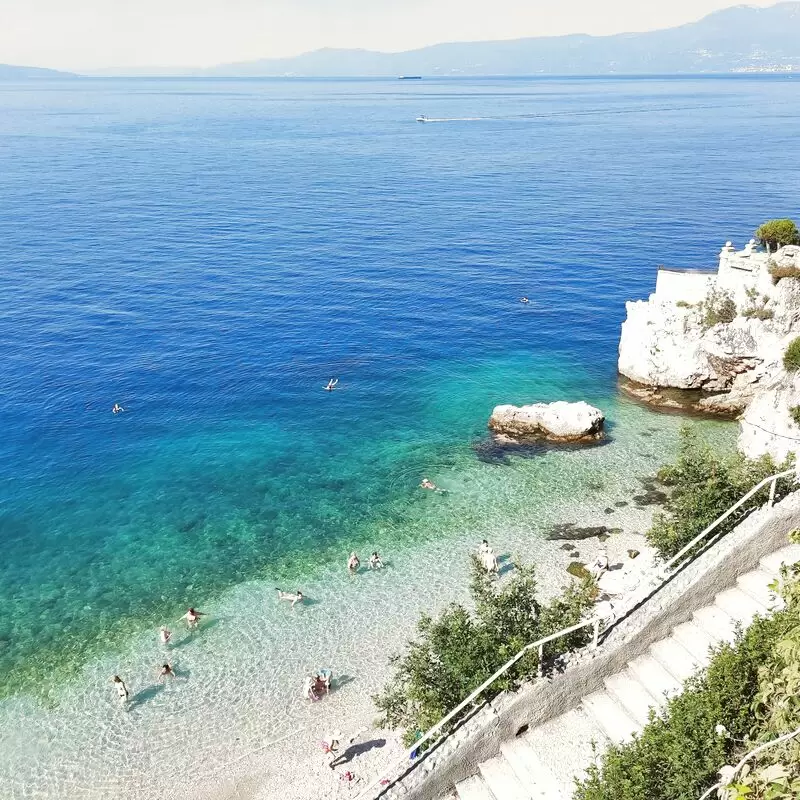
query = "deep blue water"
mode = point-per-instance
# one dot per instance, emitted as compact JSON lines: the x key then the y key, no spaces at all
{"x":208,"y":253}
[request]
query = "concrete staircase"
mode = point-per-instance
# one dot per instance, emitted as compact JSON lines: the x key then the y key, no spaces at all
{"x":542,"y":764}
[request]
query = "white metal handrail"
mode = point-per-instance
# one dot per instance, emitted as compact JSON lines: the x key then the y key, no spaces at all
{"x":729,"y":779}
{"x":403,"y":763}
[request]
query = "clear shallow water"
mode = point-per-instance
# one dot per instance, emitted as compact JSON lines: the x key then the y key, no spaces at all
{"x":209,"y":253}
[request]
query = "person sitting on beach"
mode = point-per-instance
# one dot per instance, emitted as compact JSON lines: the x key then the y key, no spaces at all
{"x":322,"y":680}
{"x":192,"y":617}
{"x":295,"y":598}
{"x":353,"y":563}
{"x":164,"y":634}
{"x":117,"y":408}
{"x":331,"y":384}
{"x":375,"y":561}
{"x":122,"y":690}
{"x":427,"y":483}
{"x":166,"y":671}
{"x":308,"y":689}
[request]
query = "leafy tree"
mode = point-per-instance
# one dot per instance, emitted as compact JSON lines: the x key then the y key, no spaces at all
{"x":703,"y":485}
{"x":778,"y":232}
{"x":454,"y":654}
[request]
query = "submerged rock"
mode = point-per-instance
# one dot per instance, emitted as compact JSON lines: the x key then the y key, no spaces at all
{"x":556,"y":422}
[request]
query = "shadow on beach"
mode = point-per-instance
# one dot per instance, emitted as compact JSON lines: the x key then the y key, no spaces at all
{"x":357,"y":750}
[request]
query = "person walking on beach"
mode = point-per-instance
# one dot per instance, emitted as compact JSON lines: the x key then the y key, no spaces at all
{"x":295,"y":598}
{"x":164,"y":634}
{"x":122,"y":690}
{"x":192,"y":618}
{"x":353,"y":563}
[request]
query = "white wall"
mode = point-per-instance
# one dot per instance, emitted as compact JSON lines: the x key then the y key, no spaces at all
{"x":690,"y":286}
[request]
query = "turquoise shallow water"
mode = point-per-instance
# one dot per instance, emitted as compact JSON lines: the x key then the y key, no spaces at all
{"x":209,"y":253}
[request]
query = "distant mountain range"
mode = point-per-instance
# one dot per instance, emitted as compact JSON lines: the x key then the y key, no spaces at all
{"x":738,"y":38}
{"x":741,"y":38}
{"x":8,"y":72}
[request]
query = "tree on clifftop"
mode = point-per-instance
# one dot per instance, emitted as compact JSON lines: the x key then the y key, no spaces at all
{"x":778,"y":232}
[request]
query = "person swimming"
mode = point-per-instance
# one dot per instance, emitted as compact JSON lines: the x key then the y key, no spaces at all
{"x":331,"y":384}
{"x":353,"y":563}
{"x":524,"y":300}
{"x":117,"y":409}
{"x":427,"y":483}
{"x":166,"y":671}
{"x":375,"y":561}
{"x":295,"y":598}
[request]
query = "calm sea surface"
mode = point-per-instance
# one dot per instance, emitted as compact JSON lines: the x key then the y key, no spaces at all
{"x":209,"y":253}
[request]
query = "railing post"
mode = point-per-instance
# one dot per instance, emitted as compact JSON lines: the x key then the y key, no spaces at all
{"x":772,"y":487}
{"x":596,"y":632}
{"x":540,"y":668}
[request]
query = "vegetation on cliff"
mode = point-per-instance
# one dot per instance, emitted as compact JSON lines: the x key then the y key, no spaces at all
{"x":791,"y":358}
{"x":778,"y":232}
{"x":748,"y":695}
{"x":455,"y":653}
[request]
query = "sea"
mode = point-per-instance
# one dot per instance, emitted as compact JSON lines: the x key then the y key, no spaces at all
{"x":208,"y":254}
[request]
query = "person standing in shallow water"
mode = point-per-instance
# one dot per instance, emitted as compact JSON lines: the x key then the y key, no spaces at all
{"x":122,"y":690}
{"x":192,"y":618}
{"x":164,"y":635}
{"x":353,"y":563}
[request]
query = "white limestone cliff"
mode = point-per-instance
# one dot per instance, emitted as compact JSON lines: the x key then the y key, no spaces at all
{"x":671,"y":342}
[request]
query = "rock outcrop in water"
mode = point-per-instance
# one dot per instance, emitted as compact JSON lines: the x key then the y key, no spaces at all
{"x":556,"y":422}
{"x":723,"y":335}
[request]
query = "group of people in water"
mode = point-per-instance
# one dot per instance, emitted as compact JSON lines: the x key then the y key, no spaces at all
{"x":166,"y":670}
{"x":354,"y":562}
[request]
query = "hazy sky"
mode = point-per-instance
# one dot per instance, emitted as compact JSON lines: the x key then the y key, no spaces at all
{"x":76,"y":34}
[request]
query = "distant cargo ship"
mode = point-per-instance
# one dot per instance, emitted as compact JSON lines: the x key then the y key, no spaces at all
{"x":410,"y":78}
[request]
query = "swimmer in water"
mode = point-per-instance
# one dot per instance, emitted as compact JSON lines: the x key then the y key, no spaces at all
{"x":428,"y":484}
{"x":524,"y":300}
{"x":331,"y":384}
{"x":166,"y":671}
{"x":122,"y":690}
{"x":117,"y":409}
{"x":164,"y":634}
{"x":295,"y":598}
{"x":375,"y":561}
{"x":192,"y":617}
{"x":353,"y":563}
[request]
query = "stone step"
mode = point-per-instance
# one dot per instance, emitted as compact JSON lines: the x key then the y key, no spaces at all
{"x":660,"y":683}
{"x":564,"y":746}
{"x":716,"y":623}
{"x":474,"y":788}
{"x":674,"y":657}
{"x":530,"y":771}
{"x":738,"y":605}
{"x":499,"y":776}
{"x":695,"y":640}
{"x":611,"y":716}
{"x":756,"y":584}
{"x":786,"y":555}
{"x":631,"y":695}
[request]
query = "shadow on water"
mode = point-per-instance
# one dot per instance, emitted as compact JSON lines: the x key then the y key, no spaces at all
{"x":192,"y":635}
{"x":140,"y":698}
{"x":494,"y":450}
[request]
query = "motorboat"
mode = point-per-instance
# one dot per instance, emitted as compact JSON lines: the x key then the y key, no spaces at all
{"x":422,"y":118}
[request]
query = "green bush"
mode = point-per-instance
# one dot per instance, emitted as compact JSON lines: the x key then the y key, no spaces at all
{"x":778,"y":232}
{"x":455,"y":653}
{"x":757,"y":306}
{"x":778,"y":271}
{"x":717,"y":307}
{"x":791,"y":358}
{"x":703,"y":485}
{"x":677,"y":755}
